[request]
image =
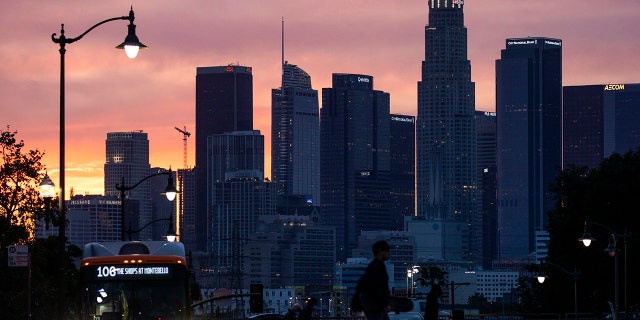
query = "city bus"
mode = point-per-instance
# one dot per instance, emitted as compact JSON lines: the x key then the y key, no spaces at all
{"x":135,"y":280}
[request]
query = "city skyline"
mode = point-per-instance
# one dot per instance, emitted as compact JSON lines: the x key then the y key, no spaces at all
{"x":108,"y":92}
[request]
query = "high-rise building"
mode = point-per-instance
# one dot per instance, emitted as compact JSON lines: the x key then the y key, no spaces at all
{"x":186,"y":222}
{"x":402,"y":133}
{"x":354,"y":159}
{"x":295,"y":135}
{"x":238,"y":203}
{"x":486,"y":139}
{"x":91,"y":218}
{"x":599,"y":120}
{"x":127,"y":164}
{"x":529,"y":127}
{"x":239,"y":195}
{"x":294,"y":248}
{"x":445,"y":134}
{"x":224,"y":103}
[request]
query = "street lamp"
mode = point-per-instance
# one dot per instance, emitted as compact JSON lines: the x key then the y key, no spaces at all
{"x":611,"y":250}
{"x":48,"y":192}
{"x":130,"y":42}
{"x":542,"y":277}
{"x":170,"y":192}
{"x":171,"y":233}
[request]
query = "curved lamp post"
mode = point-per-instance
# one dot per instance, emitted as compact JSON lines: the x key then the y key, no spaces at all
{"x":131,"y":45}
{"x":611,"y":250}
{"x":170,"y":192}
{"x":171,"y":233}
{"x":542,"y":277}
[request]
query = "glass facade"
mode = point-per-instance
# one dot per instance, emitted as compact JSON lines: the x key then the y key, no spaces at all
{"x":354,"y":159}
{"x":295,"y":135}
{"x":599,"y":120}
{"x":127,"y":157}
{"x":445,"y":133}
{"x":529,"y":140}
{"x":224,"y":103}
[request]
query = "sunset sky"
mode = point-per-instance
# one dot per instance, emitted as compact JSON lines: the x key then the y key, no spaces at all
{"x":106,"y":91}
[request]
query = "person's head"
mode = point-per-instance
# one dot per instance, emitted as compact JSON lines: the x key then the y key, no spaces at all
{"x":381,"y":250}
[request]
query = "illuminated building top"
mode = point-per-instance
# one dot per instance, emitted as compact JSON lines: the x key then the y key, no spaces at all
{"x":446,"y":4}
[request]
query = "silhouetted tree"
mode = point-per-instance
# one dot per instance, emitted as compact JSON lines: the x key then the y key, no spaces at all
{"x":20,"y":209}
{"x":606,"y":195}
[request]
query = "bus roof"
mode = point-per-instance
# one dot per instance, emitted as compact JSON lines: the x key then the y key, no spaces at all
{"x":119,"y":248}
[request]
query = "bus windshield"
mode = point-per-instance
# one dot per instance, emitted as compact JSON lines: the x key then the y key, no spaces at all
{"x":137,"y":280}
{"x":139,"y":300}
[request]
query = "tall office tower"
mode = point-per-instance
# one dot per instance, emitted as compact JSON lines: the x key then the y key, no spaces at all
{"x":224,"y":103}
{"x":238,"y":193}
{"x":445,"y":133}
{"x":486,"y":139}
{"x":186,"y":222}
{"x":529,"y":126}
{"x":354,"y":159}
{"x":127,"y":164}
{"x":402,"y":133}
{"x":295,"y":135}
{"x":599,"y":120}
{"x":238,"y":203}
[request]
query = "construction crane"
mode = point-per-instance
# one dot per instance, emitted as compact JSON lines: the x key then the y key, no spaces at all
{"x":185,"y":135}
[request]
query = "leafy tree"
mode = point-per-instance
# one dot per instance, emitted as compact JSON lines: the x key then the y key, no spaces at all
{"x":606,"y":195}
{"x":20,"y":202}
{"x":20,"y":209}
{"x":432,"y":274}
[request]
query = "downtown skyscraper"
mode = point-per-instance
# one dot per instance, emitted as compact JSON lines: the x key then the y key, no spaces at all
{"x":127,"y":163}
{"x":445,"y":135}
{"x":295,"y":135}
{"x":354,"y":159}
{"x":224,"y":103}
{"x":529,"y":140}
{"x":599,"y":120}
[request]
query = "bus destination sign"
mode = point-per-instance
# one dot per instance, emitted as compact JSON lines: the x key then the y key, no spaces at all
{"x":119,"y":272}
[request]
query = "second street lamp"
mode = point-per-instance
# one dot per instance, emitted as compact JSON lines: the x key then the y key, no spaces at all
{"x":542,"y":277}
{"x":170,"y":192}
{"x":611,"y":250}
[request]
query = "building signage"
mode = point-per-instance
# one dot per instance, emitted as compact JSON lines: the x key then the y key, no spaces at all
{"x":613,"y":87}
{"x":554,"y":43}
{"x":523,"y":41}
{"x":402,"y":119}
{"x":361,"y":79}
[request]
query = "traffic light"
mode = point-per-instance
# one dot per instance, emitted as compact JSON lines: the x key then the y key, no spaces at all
{"x":256,"y":298}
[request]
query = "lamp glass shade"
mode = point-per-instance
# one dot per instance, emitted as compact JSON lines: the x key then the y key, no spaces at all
{"x":541,"y":278}
{"x":171,"y":195}
{"x":47,"y":187}
{"x":131,"y":51}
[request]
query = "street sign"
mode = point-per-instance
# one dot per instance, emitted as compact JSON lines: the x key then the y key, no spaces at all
{"x":18,"y":256}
